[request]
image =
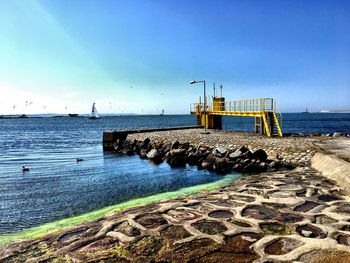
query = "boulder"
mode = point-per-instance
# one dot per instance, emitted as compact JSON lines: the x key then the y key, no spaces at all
{"x":246,"y":161}
{"x":176,"y":158}
{"x":338,"y":134}
{"x":263,"y":166}
{"x":210,"y":158}
{"x":222,"y":165}
{"x":193,"y":158}
{"x":203,"y":149}
{"x":145,"y":143}
{"x":235,"y":155}
{"x":243,"y":149}
{"x":221,"y":151}
{"x":246,"y":155}
{"x":205,"y":165}
{"x":252,"y":168}
{"x":260,"y":154}
{"x":155,"y":156}
{"x":175,"y":145}
{"x":143,"y":153}
{"x":237,"y":167}
{"x":176,"y":161}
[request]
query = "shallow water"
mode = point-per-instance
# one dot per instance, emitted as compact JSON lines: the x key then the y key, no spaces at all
{"x":58,"y":187}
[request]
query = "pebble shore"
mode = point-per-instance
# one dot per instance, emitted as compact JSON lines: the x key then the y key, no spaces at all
{"x":277,"y":216}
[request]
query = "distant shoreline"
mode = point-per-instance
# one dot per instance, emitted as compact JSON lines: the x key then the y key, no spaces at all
{"x":53,"y":115}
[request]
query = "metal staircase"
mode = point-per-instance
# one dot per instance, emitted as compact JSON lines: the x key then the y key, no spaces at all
{"x":267,"y":118}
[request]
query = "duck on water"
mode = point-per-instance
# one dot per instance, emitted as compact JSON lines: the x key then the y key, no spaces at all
{"x":25,"y":169}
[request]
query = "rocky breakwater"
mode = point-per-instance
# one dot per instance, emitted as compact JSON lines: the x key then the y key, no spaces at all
{"x":220,"y":159}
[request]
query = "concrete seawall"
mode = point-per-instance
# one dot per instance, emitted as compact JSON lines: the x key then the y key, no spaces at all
{"x":333,"y":168}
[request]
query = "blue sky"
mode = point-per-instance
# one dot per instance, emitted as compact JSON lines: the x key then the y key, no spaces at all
{"x":139,"y":55}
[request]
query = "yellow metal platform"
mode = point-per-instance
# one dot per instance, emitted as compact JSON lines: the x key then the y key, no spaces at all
{"x":267,"y":118}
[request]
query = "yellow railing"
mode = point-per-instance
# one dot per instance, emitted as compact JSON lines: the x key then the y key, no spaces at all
{"x":268,"y":118}
{"x":248,"y":105}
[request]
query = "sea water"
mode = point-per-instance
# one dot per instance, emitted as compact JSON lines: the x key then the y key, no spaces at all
{"x":57,"y":186}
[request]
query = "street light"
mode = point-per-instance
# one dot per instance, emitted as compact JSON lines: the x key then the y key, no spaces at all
{"x":205,"y":104}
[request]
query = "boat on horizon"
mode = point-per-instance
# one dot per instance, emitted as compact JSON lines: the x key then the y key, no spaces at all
{"x":94,"y":113}
{"x":73,"y":114}
{"x":306,"y":111}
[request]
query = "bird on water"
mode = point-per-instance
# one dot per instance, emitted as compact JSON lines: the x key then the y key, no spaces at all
{"x":25,"y":169}
{"x":79,"y":160}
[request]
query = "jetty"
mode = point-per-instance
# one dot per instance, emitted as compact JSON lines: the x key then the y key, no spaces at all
{"x":111,"y":136}
{"x":267,"y":117}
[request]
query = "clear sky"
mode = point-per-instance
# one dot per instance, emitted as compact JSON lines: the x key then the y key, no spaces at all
{"x":139,"y":55}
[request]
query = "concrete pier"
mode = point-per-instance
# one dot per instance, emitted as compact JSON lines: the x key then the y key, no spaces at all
{"x":111,"y":136}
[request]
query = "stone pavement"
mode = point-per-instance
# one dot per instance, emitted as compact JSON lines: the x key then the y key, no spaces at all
{"x":286,"y":216}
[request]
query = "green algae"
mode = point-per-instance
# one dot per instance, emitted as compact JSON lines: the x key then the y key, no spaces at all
{"x":59,"y":225}
{"x":276,"y":229}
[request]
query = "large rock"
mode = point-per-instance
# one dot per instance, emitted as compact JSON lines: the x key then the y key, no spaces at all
{"x":175,"y":145}
{"x":221,"y":151}
{"x":235,"y":155}
{"x":155,"y":156}
{"x":243,"y":149}
{"x":193,"y":158}
{"x":143,"y":153}
{"x":176,"y":158}
{"x":260,"y":155}
{"x":338,"y":134}
{"x":205,"y":165}
{"x":253,"y":168}
{"x":222,"y":165}
{"x":145,"y":143}
{"x":246,"y":155}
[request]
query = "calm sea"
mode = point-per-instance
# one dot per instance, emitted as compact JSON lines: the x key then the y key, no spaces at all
{"x":58,"y":187}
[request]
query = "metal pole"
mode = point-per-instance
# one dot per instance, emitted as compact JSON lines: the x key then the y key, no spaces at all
{"x":214,"y":90}
{"x":205,"y":105}
{"x":200,"y":109}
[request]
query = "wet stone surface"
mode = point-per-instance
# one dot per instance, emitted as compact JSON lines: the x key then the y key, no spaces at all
{"x":128,"y":230}
{"x":328,"y":198}
{"x":239,"y":223}
{"x":229,"y":224}
{"x":323,"y":219}
{"x":210,"y":227}
{"x":344,"y":239}
{"x":259,"y":212}
{"x":221,"y":214}
{"x":275,"y":228}
{"x":282,"y":246}
{"x":343,"y":208}
{"x":308,"y":205}
{"x":175,"y":233}
{"x":151,"y":220}
{"x":181,"y":216}
{"x":311,"y":231}
{"x":289,"y":217}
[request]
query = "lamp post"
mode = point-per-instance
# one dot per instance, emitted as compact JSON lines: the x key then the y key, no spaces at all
{"x":205,"y":103}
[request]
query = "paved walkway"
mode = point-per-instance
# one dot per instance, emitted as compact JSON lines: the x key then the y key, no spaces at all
{"x":338,"y":146}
